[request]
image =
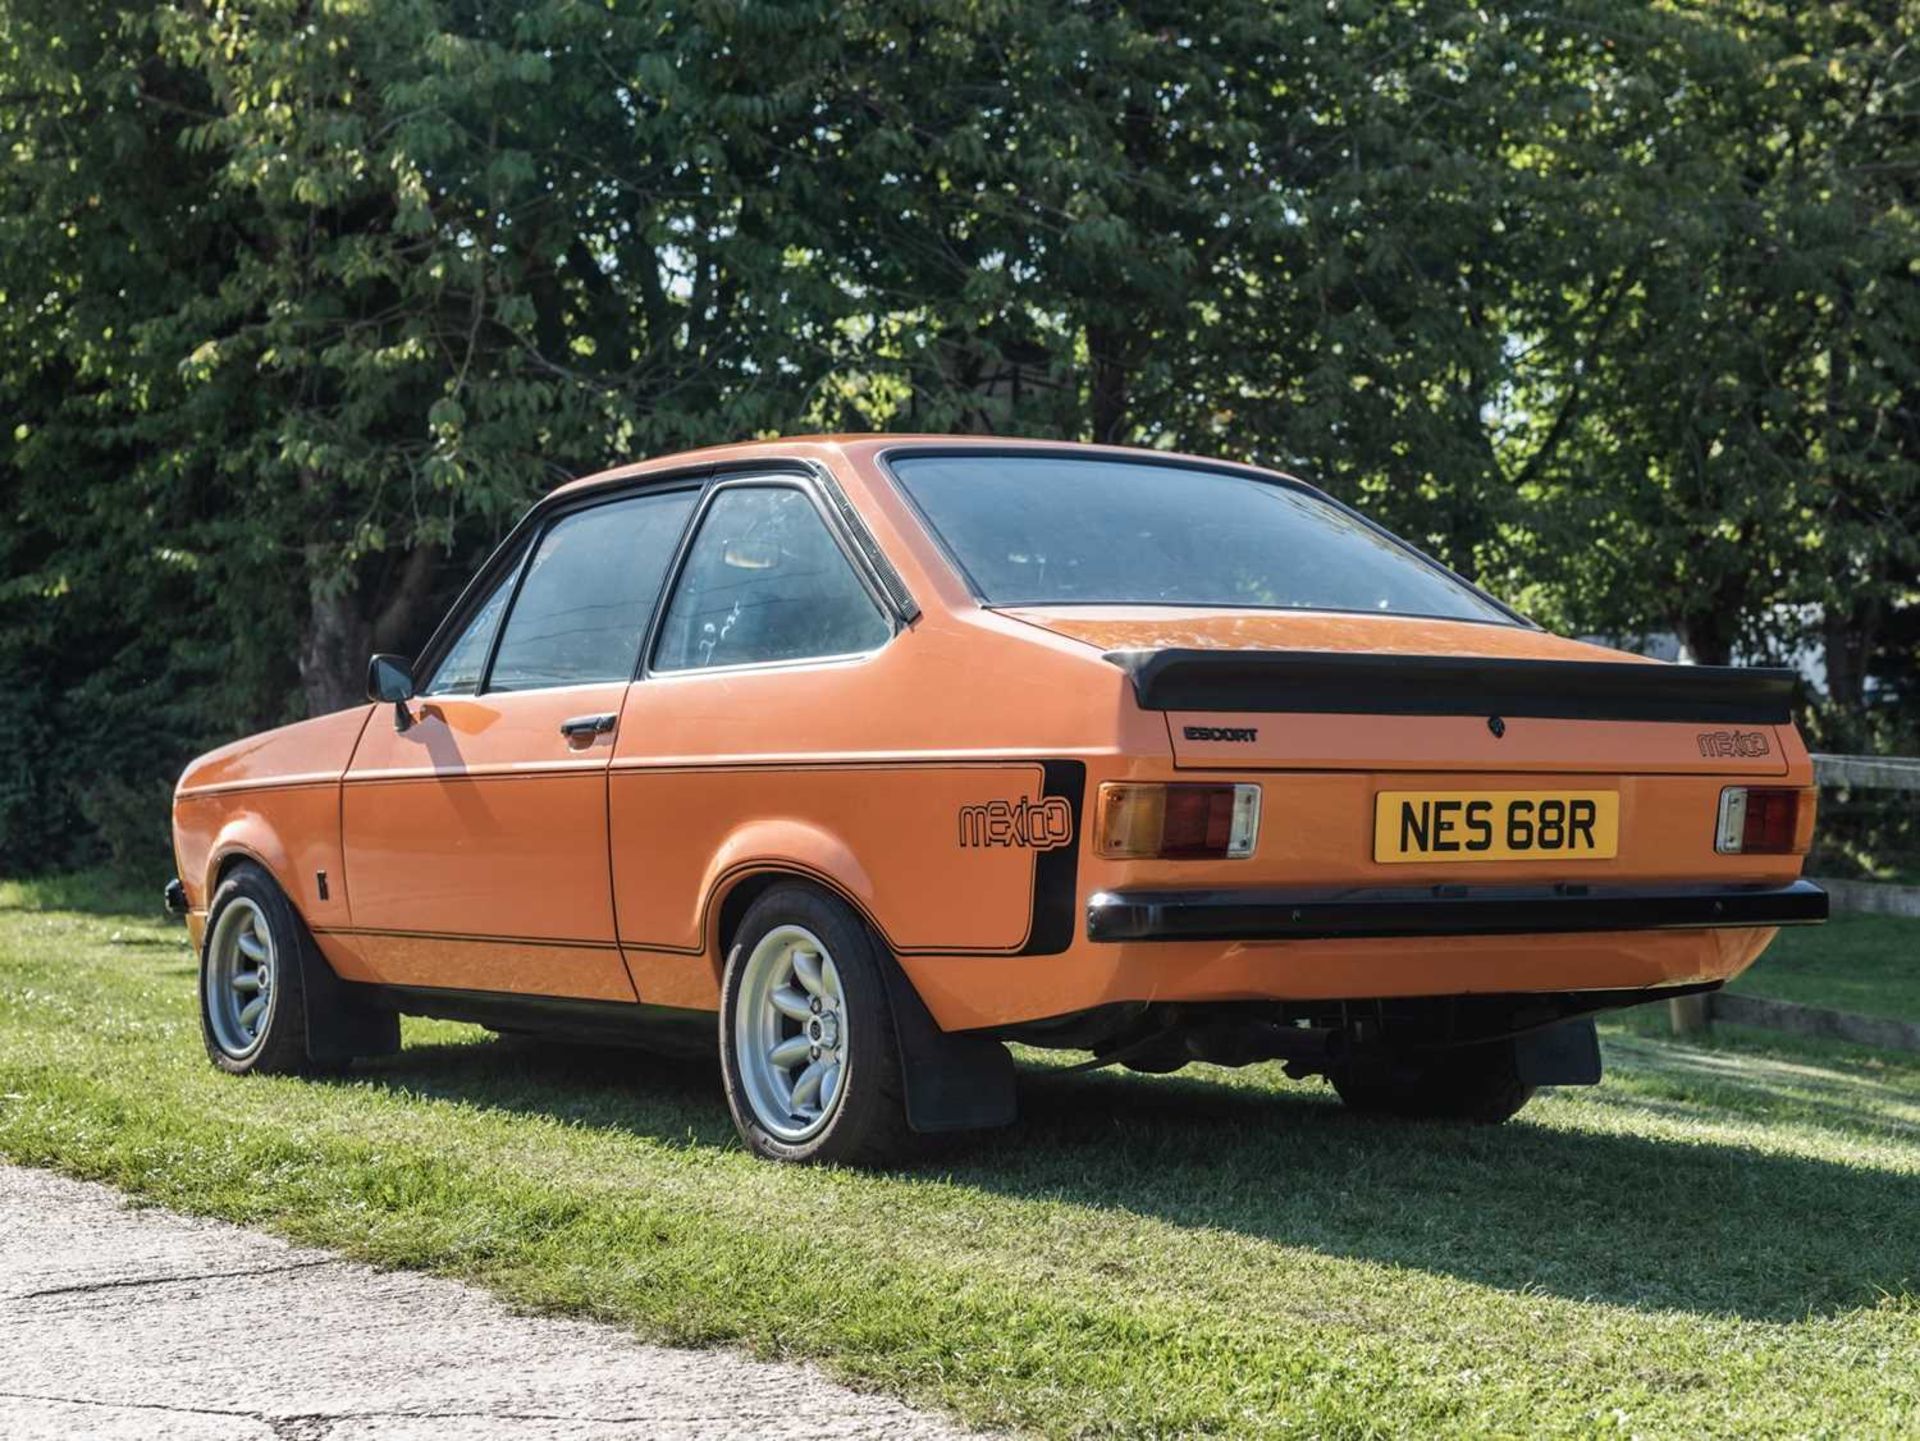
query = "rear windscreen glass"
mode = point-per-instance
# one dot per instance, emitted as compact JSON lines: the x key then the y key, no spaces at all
{"x":1050,"y":530}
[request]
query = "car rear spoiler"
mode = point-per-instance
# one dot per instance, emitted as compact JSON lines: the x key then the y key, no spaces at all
{"x":1368,"y":683}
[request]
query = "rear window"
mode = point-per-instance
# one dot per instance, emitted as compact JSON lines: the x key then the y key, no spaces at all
{"x":1066,"y":530}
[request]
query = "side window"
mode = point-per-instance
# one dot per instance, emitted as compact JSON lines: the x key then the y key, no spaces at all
{"x":588,"y":592}
{"x":459,"y":670}
{"x":764,"y":581}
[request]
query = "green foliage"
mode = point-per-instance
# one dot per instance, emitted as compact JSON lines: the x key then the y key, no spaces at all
{"x":1727,"y":433}
{"x":1611,"y":305}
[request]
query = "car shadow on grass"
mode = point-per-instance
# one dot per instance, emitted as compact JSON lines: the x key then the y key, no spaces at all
{"x":1631,"y":1220}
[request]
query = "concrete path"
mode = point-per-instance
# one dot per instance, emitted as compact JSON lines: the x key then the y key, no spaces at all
{"x":117,"y":1322}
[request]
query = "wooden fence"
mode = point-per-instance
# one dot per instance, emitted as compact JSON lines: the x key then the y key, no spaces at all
{"x":1870,"y":773}
{"x":1691,"y":1015}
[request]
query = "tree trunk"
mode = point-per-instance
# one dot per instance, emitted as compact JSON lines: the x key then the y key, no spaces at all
{"x":1708,"y":638}
{"x":1107,"y":359}
{"x":334,"y":645}
{"x":404,"y":622}
{"x":1848,"y":638}
{"x":339,"y":635}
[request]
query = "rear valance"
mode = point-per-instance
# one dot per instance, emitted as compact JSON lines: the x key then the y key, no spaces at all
{"x":1299,"y":915}
{"x":1339,"y":682}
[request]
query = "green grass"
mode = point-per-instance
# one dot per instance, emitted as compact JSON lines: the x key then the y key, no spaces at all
{"x":1721,"y":1240}
{"x":1867,"y":964}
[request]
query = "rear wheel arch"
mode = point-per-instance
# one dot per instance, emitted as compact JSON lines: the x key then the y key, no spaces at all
{"x":735,"y":892}
{"x":950,"y":1081}
{"x":825,"y":1087}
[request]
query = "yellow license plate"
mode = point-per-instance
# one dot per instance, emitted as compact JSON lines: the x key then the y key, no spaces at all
{"x":1496,"y":826}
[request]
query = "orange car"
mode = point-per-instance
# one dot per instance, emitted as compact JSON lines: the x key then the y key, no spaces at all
{"x":889,"y":750}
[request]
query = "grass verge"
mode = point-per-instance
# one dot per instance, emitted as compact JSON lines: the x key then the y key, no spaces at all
{"x":1866,"y":964}
{"x":1721,"y":1240}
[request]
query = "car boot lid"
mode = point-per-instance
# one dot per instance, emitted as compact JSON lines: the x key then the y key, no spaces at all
{"x":1267,"y":689}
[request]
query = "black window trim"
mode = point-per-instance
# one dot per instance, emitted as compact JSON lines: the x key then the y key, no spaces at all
{"x":472,"y":600}
{"x":844,"y":522}
{"x":926,"y":451}
{"x":807,"y":481}
{"x":518,"y":544}
{"x":591,"y":500}
{"x":873,"y":559}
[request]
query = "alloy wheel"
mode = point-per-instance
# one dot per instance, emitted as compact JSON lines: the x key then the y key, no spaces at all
{"x":790,"y":1033}
{"x":240,"y":980}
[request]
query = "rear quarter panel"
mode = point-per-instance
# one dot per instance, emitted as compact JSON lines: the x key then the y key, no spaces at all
{"x":855,"y":774}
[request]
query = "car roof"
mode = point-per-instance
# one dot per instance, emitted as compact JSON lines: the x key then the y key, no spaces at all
{"x":864,"y":443}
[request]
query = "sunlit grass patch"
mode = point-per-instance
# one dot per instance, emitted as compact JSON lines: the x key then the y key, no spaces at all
{"x":1719,"y":1240}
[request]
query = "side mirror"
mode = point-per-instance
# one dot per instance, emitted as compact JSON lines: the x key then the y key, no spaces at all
{"x":390,"y":678}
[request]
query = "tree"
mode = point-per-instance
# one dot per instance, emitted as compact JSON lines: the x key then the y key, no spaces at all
{"x":1721,"y":440}
{"x":1610,"y":305}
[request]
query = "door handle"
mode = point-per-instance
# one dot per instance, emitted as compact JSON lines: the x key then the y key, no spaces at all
{"x":585,"y":727}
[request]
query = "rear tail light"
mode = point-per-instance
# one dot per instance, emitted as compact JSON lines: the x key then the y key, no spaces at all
{"x":1757,"y":821}
{"x":1140,"y":821}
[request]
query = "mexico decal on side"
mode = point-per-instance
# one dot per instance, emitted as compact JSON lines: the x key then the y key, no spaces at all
{"x":1043,"y":825}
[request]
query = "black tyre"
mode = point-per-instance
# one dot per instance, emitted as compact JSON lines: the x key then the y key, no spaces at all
{"x":1465,"y":1083}
{"x":807,"y":1042}
{"x":253,"y":1004}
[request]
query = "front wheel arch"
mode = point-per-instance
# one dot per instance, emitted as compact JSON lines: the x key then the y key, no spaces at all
{"x":341,"y":1025}
{"x":224,"y":865}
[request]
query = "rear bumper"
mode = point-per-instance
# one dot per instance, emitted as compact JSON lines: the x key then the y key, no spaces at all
{"x":1279,"y":915}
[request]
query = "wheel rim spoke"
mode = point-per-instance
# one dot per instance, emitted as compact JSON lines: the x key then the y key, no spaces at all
{"x":251,"y":946}
{"x":830,"y":1086}
{"x":790,"y":1003}
{"x":806,"y":1090}
{"x":246,"y":982}
{"x":806,"y":970}
{"x":830,"y":980}
{"x":790,"y":1052}
{"x":251,"y":1013}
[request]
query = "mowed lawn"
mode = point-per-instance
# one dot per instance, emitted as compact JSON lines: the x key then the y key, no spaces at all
{"x":1722,"y":1239}
{"x":1866,"y":964}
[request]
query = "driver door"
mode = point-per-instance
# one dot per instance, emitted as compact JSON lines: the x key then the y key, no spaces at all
{"x":476,"y":838}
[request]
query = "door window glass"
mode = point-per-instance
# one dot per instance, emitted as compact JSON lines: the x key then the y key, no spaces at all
{"x":764,"y":581}
{"x":459,"y":672}
{"x":588,"y":593}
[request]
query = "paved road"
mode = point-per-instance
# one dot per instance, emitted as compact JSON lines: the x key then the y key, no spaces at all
{"x":142,"y":1324}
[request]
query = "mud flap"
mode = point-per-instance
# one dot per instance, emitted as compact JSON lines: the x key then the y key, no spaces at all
{"x":953,"y":1082}
{"x":340,"y":1025}
{"x":1564,"y":1055}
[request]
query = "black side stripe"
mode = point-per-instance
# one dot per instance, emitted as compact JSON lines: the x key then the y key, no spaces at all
{"x":1056,"y":873}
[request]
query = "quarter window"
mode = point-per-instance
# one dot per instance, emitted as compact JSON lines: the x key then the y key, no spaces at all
{"x":588,"y":592}
{"x":459,"y":673}
{"x":764,"y":581}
